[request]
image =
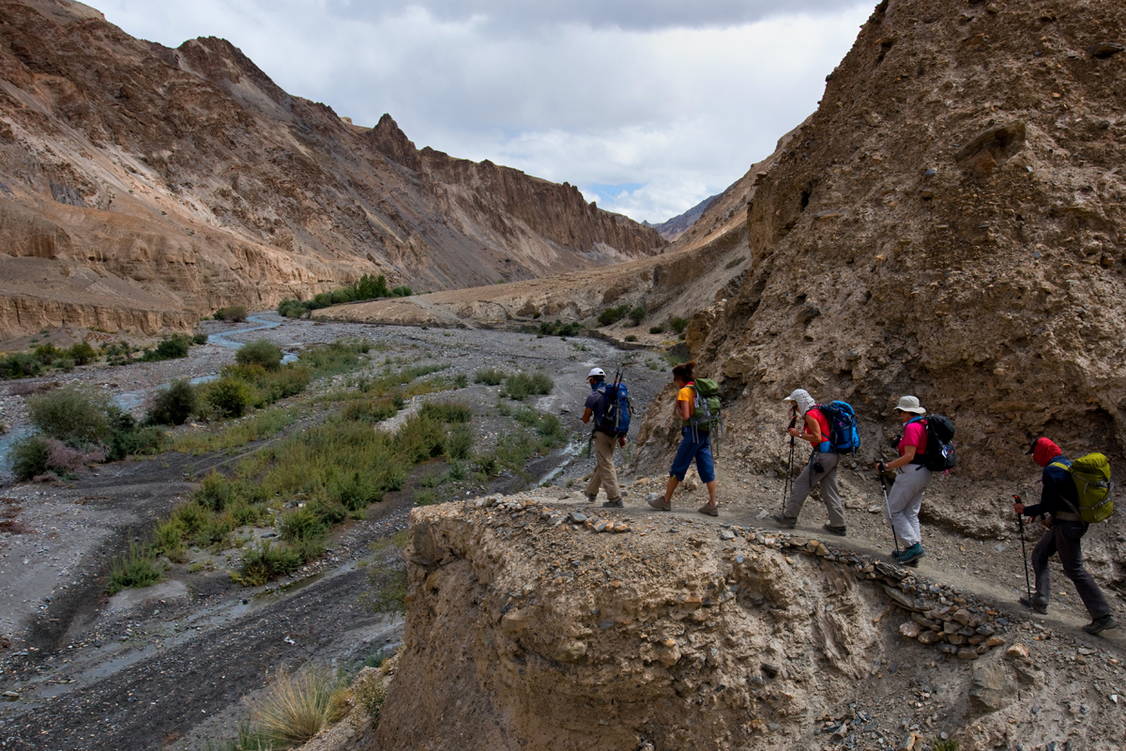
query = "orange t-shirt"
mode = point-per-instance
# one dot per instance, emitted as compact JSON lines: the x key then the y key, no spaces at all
{"x":687,"y":394}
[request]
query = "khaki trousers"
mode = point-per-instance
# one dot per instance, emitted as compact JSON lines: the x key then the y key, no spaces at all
{"x":825,"y":475}
{"x":605,"y":476}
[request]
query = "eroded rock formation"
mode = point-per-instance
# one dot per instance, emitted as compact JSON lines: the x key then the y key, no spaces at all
{"x":535,"y":624}
{"x":140,"y":184}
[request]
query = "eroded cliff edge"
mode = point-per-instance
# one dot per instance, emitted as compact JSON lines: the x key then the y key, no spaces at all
{"x":536,"y":624}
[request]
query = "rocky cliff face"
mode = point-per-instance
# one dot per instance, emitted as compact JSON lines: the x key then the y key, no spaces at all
{"x":533,"y":624}
{"x":184,"y":179}
{"x":949,"y":224}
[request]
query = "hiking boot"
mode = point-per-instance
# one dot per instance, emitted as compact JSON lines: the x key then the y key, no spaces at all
{"x":1037,"y":605}
{"x":591,"y":498}
{"x":910,"y":555}
{"x":708,"y":510}
{"x":613,"y":503}
{"x":1100,"y":624}
{"x":785,"y":522}
{"x":657,"y":501}
{"x":841,"y":531}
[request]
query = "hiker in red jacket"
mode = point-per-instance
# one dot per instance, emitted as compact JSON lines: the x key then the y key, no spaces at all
{"x":1059,"y":501}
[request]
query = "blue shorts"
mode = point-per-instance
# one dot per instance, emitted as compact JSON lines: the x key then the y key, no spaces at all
{"x":693,"y":445}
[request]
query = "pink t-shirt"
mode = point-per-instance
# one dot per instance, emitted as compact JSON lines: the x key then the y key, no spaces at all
{"x":915,"y":434}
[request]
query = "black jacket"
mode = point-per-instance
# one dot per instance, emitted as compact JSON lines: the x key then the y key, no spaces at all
{"x":1059,"y":492}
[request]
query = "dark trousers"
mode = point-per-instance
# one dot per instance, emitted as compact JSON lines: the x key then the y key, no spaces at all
{"x":1064,"y":538}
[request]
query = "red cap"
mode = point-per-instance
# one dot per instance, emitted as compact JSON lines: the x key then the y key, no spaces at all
{"x":1044,"y":450}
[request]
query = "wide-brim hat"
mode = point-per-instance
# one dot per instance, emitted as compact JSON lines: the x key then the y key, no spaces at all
{"x":910,"y":404}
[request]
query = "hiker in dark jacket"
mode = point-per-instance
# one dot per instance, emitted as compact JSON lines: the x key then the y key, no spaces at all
{"x":1060,"y":502}
{"x":821,"y":469}
{"x":604,"y":475}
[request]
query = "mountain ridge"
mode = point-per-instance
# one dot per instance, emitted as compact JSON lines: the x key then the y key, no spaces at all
{"x":185,"y":179}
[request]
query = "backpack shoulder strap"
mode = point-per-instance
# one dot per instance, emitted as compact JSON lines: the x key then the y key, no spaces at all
{"x":1061,"y":465}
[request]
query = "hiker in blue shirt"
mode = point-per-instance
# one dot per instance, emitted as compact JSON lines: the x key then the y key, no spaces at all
{"x":604,"y":475}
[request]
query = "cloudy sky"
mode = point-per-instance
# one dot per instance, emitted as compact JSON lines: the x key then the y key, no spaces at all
{"x":649,"y":106}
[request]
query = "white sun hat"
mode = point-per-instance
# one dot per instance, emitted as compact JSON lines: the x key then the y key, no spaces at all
{"x":596,"y":372}
{"x":909,"y":404}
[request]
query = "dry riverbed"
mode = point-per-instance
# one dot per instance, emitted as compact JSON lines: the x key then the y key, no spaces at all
{"x":169,"y":664}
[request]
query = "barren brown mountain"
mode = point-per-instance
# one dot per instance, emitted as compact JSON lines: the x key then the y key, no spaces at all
{"x":141,"y":186}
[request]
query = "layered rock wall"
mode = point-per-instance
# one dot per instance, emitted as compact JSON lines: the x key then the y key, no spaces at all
{"x":947,"y":224}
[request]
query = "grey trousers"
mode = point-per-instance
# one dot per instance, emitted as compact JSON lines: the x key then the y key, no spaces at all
{"x":605,"y":475}
{"x":904,"y":501}
{"x":1064,"y":538}
{"x":809,"y":478}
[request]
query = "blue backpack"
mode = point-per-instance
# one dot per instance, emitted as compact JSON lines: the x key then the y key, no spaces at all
{"x":844,"y":438}
{"x":614,"y":415}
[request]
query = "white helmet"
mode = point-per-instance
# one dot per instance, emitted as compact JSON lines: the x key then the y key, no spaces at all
{"x":596,"y":372}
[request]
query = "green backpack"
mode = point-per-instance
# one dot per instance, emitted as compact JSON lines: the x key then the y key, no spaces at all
{"x":706,"y":410}
{"x":1091,"y":475}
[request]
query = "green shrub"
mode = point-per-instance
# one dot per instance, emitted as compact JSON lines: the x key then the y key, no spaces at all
{"x":199,"y":338}
{"x":425,"y":497}
{"x":329,"y":512}
{"x":446,"y":411}
{"x":135,"y":441}
{"x":292,"y":308}
{"x":137,"y":568}
{"x":336,"y":357}
{"x":520,"y":386}
{"x":260,"y":352}
{"x":30,"y":457}
{"x":557,"y":328}
{"x":489,"y":376}
{"x":81,"y":353}
{"x":636,"y":314}
{"x":678,"y":325}
{"x":658,"y":329}
{"x":401,"y":291}
{"x":613,"y":315}
{"x":231,"y":313}
{"x":170,"y":348}
{"x":216,"y":492}
{"x":459,"y":442}
{"x":355,"y":490}
{"x":262,"y":563}
{"x":301,"y":524}
{"x":229,"y":397}
{"x":370,"y":410}
{"x":47,"y":353}
{"x":20,"y":365}
{"x":173,"y":405}
{"x":75,"y":415}
{"x":631,"y":338}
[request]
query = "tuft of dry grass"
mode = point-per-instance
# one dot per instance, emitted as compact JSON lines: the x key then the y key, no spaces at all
{"x":297,"y":706}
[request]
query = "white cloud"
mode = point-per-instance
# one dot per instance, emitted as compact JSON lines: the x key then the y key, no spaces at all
{"x":676,"y":98}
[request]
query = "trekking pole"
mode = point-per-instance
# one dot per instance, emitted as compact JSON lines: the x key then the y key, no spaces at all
{"x":788,"y":486}
{"x":1023,"y":552}
{"x":887,"y":509}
